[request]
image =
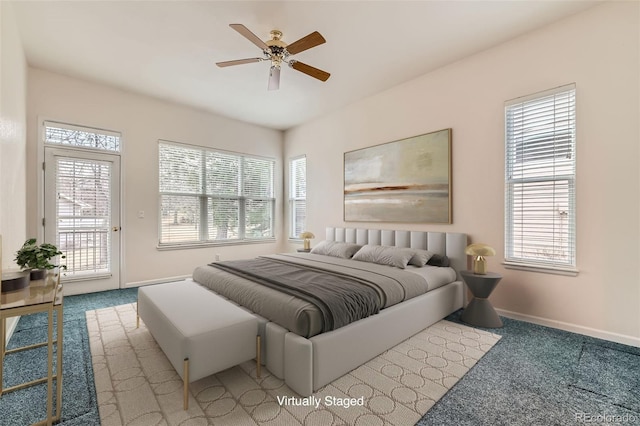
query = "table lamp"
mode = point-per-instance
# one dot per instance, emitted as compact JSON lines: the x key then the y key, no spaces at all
{"x":479,"y":251}
{"x":306,"y":239}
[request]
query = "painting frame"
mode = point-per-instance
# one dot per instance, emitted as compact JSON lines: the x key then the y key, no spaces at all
{"x":403,"y":181}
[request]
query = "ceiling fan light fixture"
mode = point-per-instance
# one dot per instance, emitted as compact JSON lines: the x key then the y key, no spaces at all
{"x":277,"y":51}
{"x":274,"y":78}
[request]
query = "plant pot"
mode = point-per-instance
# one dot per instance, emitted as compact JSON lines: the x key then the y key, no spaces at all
{"x":38,"y":274}
{"x":12,"y":281}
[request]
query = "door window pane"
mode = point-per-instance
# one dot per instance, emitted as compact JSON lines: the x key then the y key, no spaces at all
{"x":83,"y":206}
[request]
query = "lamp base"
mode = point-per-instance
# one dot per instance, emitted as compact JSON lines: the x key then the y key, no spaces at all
{"x":480,"y":266}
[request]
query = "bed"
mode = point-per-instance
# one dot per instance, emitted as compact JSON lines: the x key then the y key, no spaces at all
{"x":300,"y":346}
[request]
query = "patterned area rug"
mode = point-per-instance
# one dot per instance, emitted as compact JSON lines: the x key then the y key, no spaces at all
{"x":137,"y":385}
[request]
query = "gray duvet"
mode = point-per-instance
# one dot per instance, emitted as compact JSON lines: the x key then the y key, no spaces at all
{"x":340,"y":298}
{"x":388,"y":286}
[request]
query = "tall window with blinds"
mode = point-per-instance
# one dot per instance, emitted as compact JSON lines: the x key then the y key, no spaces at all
{"x":540,"y":181}
{"x":209,"y":196}
{"x":297,"y":195}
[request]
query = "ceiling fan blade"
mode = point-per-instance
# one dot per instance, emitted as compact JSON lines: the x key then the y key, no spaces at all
{"x":244,"y":31}
{"x":274,"y":78}
{"x":309,"y":70}
{"x":238,"y":62}
{"x":312,"y":40}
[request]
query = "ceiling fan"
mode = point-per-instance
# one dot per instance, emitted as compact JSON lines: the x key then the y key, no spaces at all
{"x":279,"y":52}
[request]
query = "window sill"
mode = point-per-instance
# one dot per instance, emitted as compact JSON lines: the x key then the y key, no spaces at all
{"x":188,"y":246}
{"x":566,"y":271}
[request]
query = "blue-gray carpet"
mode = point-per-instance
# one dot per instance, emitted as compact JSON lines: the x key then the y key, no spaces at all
{"x":79,"y":407}
{"x":542,"y":376}
{"x":533,"y":375}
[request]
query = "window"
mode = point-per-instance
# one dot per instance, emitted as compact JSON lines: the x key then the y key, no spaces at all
{"x":81,"y":137}
{"x":209,"y":196}
{"x":540,"y":181}
{"x":297,"y":195}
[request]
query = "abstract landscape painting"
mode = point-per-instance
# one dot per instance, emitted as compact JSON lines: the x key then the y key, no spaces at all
{"x":405,"y":181}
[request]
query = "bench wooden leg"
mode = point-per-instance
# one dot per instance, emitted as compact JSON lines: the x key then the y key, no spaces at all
{"x":258,"y":360}
{"x":185,"y":373}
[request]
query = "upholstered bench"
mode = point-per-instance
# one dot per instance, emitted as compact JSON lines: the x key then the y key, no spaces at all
{"x":200,"y":332}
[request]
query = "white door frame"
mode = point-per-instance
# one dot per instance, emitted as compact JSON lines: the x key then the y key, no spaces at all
{"x":92,"y":283}
{"x":120,"y":273}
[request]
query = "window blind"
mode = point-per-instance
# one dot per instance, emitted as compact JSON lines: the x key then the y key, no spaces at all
{"x":83,"y":215}
{"x":298,"y":195}
{"x":223,"y":174}
{"x":540,"y":179}
{"x":180,"y":170}
{"x":258,"y":178}
{"x":209,"y":196}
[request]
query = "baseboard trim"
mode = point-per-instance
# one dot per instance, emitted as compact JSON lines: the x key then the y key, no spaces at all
{"x":574,"y":328}
{"x":156,"y":281}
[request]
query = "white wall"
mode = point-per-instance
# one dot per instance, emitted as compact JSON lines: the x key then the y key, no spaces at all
{"x":13,"y":141}
{"x":142,"y":121}
{"x":599,"y":51}
{"x":13,"y":110}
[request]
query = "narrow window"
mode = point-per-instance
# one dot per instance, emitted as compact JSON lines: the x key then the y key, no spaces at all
{"x":540,"y":181}
{"x":297,"y":195}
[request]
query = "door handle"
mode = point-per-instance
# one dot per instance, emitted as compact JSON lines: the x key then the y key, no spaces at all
{"x":116,"y":228}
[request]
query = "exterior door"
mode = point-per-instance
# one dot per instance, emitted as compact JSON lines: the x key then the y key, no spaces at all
{"x":82,"y":216}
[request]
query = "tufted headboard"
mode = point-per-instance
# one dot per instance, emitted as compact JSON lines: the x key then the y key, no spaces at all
{"x":451,"y":244}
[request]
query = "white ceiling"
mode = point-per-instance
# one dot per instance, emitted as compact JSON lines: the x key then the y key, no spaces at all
{"x":168,"y":49}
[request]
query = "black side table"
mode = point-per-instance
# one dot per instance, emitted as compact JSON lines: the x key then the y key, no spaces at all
{"x":479,"y":311}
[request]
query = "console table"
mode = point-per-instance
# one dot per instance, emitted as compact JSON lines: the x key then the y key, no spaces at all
{"x":39,"y":296}
{"x":479,"y":311}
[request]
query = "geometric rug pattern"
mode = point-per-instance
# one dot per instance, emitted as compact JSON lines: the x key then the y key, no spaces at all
{"x":137,"y":385}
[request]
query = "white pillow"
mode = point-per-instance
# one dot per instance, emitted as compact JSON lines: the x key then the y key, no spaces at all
{"x":385,"y":255}
{"x":420,"y":257}
{"x":336,"y":249}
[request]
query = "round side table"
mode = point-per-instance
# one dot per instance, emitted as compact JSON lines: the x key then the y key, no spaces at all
{"x":479,"y":311}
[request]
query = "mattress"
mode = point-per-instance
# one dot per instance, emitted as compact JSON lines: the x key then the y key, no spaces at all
{"x":303,"y":318}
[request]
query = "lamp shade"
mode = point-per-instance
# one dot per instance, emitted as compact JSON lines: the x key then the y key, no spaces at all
{"x":306,"y":235}
{"x":479,"y":249}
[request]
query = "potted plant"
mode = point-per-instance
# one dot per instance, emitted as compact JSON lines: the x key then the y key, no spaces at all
{"x":37,"y":258}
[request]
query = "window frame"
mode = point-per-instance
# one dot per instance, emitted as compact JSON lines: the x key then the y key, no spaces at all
{"x":549,"y":152}
{"x":203,"y":199}
{"x":293,"y":199}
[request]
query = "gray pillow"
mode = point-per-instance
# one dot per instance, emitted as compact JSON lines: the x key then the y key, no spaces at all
{"x":385,"y":255}
{"x":336,"y":249}
{"x":420,"y":257}
{"x":438,"y":260}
